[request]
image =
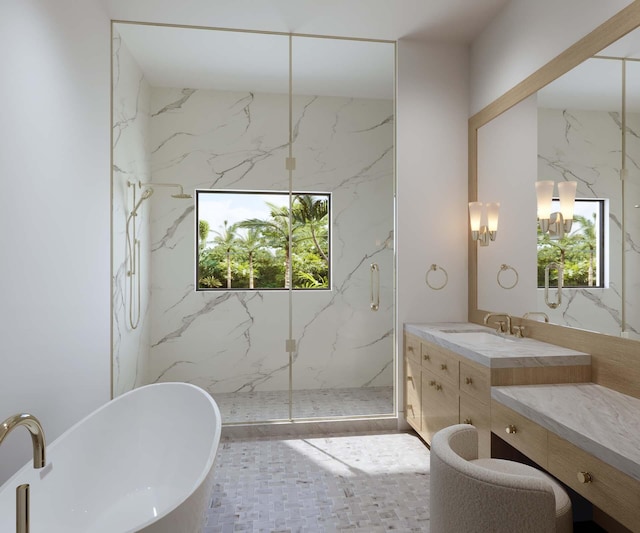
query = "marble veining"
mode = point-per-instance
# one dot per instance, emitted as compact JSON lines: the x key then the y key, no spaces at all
{"x":482,"y":345}
{"x":598,"y":420}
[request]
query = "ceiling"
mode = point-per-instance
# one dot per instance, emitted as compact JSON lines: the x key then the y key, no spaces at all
{"x":227,"y":60}
{"x":457,"y":21}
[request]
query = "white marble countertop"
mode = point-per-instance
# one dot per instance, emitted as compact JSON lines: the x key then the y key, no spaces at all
{"x":598,"y":420}
{"x":483,"y":345}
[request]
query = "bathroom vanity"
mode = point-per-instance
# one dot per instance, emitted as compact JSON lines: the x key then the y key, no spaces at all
{"x":451,"y":367}
{"x":535,"y":396}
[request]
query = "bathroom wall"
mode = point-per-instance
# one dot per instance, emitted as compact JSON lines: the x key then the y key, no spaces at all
{"x":131,"y":166}
{"x":586,"y":145}
{"x":54,"y":211}
{"x":525,"y":36}
{"x":234,"y":341}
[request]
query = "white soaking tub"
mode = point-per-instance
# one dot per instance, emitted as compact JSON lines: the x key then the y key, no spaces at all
{"x":142,"y":462}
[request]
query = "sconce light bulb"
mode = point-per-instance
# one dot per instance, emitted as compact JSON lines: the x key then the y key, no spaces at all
{"x":544,"y":194}
{"x":492,"y":216}
{"x":475,"y":215}
{"x":567,"y":193}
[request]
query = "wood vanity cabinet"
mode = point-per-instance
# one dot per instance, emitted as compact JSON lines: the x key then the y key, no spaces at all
{"x":608,"y":488}
{"x":442,"y":389}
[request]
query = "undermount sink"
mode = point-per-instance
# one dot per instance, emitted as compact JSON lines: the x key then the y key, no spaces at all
{"x":481,"y":337}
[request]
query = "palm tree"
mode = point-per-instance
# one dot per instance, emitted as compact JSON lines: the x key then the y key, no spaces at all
{"x":276,"y":233}
{"x":203,"y":233}
{"x":227,"y":240}
{"x":312,"y":211}
{"x":250,"y":243}
{"x":587,"y":234}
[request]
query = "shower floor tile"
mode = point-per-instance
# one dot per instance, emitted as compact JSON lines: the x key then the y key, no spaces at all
{"x":239,"y":407}
{"x":365,"y":483}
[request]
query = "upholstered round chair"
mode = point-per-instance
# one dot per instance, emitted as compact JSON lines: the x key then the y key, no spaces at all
{"x":471,"y":495}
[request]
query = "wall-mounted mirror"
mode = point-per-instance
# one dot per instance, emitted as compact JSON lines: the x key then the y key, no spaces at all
{"x":582,"y":126}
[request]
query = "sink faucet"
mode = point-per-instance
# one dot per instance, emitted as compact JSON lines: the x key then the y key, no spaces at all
{"x":501,"y":324}
{"x":39,"y":460}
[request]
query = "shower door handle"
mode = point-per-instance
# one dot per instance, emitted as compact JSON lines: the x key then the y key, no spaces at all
{"x":375,"y":287}
{"x":558,"y":267}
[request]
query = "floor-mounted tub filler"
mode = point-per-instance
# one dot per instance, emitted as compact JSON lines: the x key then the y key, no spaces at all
{"x":142,"y":462}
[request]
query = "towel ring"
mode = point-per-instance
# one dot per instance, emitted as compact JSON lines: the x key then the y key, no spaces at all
{"x":433,"y":268}
{"x":504,"y":268}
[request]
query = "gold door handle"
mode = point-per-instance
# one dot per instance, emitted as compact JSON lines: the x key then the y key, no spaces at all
{"x":511,"y":429}
{"x":468,"y":381}
{"x":467,"y":421}
{"x":374,"y":304}
{"x":585,"y":477}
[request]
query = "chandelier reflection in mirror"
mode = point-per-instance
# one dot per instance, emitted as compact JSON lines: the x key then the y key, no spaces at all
{"x":558,"y":223}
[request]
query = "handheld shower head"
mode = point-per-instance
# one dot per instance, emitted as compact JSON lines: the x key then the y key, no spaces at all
{"x":145,"y":194}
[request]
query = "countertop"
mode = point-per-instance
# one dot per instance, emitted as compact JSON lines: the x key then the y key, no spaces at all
{"x":484,"y":346}
{"x":598,"y":420}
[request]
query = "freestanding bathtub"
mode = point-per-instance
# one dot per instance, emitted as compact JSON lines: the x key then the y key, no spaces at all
{"x":142,"y":462}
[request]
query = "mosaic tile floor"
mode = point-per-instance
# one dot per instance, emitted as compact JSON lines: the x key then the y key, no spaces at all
{"x":368,"y":483}
{"x":240,"y":407}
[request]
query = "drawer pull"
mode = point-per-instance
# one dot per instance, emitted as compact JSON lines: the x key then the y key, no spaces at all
{"x":467,"y":421}
{"x":409,"y":378}
{"x":426,"y":357}
{"x":438,"y":386}
{"x":432,"y":383}
{"x":443,"y":367}
{"x":511,"y":429}
{"x":410,"y":348}
{"x":585,"y":477}
{"x":409,"y":407}
{"x":468,"y":381}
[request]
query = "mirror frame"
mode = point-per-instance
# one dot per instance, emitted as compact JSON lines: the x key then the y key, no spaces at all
{"x":607,"y":33}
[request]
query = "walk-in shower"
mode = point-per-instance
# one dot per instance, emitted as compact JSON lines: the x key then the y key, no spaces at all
{"x":280,"y":311}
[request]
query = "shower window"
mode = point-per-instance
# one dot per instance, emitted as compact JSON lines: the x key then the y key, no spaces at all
{"x":250,"y":240}
{"x":581,"y":251}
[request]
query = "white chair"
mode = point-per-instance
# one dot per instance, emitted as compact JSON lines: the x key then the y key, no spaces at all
{"x":470,"y":495}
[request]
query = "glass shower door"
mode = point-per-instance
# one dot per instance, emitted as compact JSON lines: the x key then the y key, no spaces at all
{"x":343,"y":305}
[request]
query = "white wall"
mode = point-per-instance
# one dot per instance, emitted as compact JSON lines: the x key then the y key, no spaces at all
{"x":525,"y":36}
{"x":54,"y":214}
{"x":431,"y":180}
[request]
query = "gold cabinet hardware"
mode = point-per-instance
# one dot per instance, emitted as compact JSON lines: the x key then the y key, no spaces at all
{"x":468,"y":381}
{"x":443,"y":367}
{"x":585,"y":477}
{"x":426,"y":357}
{"x":409,"y":378}
{"x":410,"y":348}
{"x":438,"y":386}
{"x":511,"y":429}
{"x":467,"y":421}
{"x":409,"y":407}
{"x":432,"y":383}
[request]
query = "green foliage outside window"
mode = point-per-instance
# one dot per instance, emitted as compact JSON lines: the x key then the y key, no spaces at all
{"x":577,"y":251}
{"x":256,"y":253}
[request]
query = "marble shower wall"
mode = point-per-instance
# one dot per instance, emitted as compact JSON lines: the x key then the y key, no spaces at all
{"x":585,"y":146}
{"x":131,"y":163}
{"x":226,"y":341}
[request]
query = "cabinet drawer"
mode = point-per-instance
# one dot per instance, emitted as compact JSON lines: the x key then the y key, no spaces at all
{"x":439,"y":404}
{"x":412,"y":393}
{"x":476,"y":382}
{"x":609,"y":489}
{"x":524,"y":435}
{"x":440,"y":361}
{"x":476,"y":413}
{"x":412,"y":347}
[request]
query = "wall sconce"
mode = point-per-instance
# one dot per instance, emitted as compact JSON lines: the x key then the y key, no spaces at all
{"x":483,"y":233}
{"x":558,"y":223}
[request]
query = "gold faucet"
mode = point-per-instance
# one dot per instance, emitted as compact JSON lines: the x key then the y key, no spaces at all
{"x":39,"y":460}
{"x":501,"y":324}
{"x":37,"y":435}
